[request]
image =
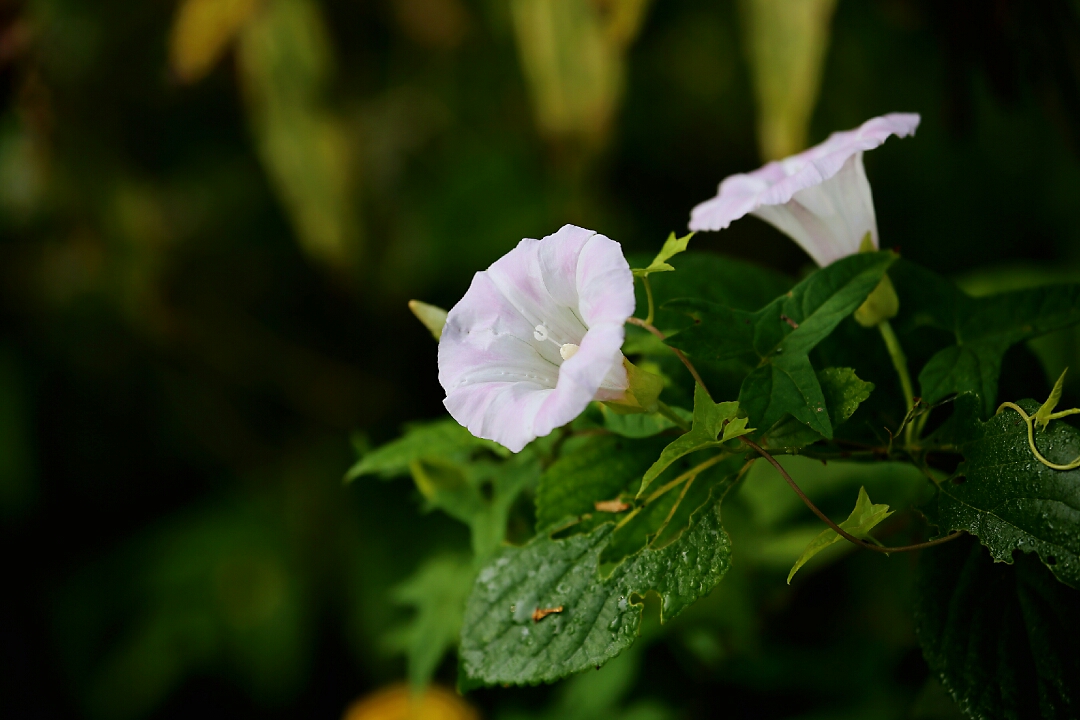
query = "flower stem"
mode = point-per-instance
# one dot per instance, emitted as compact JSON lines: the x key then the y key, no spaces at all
{"x":839,"y":530}
{"x":678,"y":353}
{"x":663,"y":409}
{"x":648,"y":295}
{"x":899,"y":361}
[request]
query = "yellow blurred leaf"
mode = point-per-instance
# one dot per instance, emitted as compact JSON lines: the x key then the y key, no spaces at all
{"x":201,"y":32}
{"x":433,"y":23}
{"x":573,"y":56}
{"x":623,"y":19}
{"x":786,"y":41}
{"x":306,"y":149}
{"x":396,"y":703}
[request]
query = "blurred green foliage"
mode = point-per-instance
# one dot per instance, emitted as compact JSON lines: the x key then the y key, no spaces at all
{"x":212,"y":216}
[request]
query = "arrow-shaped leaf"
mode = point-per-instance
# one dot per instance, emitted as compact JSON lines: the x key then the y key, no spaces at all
{"x":864,"y":518}
{"x":780,"y":336}
{"x":672,"y":247}
{"x":714,"y":424}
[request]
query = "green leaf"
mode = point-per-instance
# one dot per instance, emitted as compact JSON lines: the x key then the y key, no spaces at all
{"x":1002,"y":639}
{"x":439,"y":440}
{"x":864,"y":518}
{"x":707,"y":276}
{"x":437,"y":591}
{"x":785,"y":47}
{"x":1042,"y":415}
{"x":665,"y":517}
{"x":714,"y":424}
{"x":571,"y":486}
{"x":843,"y":391}
{"x":284,"y":65}
{"x":500,"y":643}
{"x":1004,"y":496}
{"x":479,"y":494}
{"x":453,"y":473}
{"x":640,"y":425}
{"x":982,"y":329}
{"x":672,"y":246}
{"x":601,"y":694}
{"x":779,"y":337}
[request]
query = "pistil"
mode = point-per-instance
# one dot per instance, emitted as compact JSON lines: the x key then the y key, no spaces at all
{"x":566,"y":350}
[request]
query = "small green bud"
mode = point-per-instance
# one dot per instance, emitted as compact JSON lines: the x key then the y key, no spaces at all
{"x":433,"y":318}
{"x":881,"y":304}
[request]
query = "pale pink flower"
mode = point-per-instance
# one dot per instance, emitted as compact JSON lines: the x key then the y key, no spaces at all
{"x":820,"y":197}
{"x":537,"y":336}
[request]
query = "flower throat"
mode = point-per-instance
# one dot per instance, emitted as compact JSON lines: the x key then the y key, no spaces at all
{"x":567,"y":350}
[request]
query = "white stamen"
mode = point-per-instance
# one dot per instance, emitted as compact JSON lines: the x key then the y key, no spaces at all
{"x":567,"y":351}
{"x":541,"y":333}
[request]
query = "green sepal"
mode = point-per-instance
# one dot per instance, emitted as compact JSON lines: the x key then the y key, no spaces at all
{"x":642,"y":393}
{"x":882,"y":304}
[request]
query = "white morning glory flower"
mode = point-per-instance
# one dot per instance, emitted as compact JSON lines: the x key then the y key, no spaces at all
{"x":537,"y":337}
{"x":820,"y":197}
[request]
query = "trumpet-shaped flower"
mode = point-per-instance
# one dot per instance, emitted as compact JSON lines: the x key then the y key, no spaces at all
{"x":820,"y":197}
{"x":537,"y":336}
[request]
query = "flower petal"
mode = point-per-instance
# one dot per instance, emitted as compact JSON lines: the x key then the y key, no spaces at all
{"x":582,"y":376}
{"x":485,"y":338}
{"x":559,"y":254}
{"x":514,"y":409}
{"x":503,"y":412}
{"x":501,"y":382}
{"x":519,"y":277}
{"x":605,"y":283}
{"x":829,"y":220}
{"x":778,"y":182}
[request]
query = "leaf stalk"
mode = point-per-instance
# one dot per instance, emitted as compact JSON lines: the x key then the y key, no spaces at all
{"x":899,"y":361}
{"x":666,"y":411}
{"x":678,"y":353}
{"x":866,"y":544}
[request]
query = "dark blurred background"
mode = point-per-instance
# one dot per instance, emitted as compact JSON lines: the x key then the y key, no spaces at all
{"x":213,"y":213}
